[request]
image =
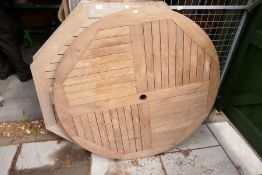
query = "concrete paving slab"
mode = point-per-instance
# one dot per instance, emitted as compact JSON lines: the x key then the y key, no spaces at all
{"x":50,"y":155}
{"x":200,"y":139}
{"x":4,"y":84}
{"x":12,"y":109}
{"x":7,"y":154}
{"x":18,"y":89}
{"x":104,"y":166}
{"x":237,"y":149}
{"x":1,"y":100}
{"x":200,"y":161}
{"x":39,"y":154}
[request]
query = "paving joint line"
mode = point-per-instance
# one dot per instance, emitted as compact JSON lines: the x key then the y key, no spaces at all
{"x":162,"y":165}
{"x":180,"y":150}
{"x":14,"y":160}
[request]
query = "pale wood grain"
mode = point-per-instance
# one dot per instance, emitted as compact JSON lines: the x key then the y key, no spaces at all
{"x":156,"y":54}
{"x":149,"y":56}
{"x":94,"y":128}
{"x":200,"y":63}
{"x":123,"y":129}
{"x":145,"y":125}
{"x":172,"y":53}
{"x":136,"y":122}
{"x":186,"y":64}
{"x":164,"y":52}
{"x":110,"y":131}
{"x":179,"y":56}
{"x":87,"y":128}
{"x":130,"y":128}
{"x":193,"y":63}
{"x":117,"y":132}
{"x":137,"y":37}
{"x":102,"y":129}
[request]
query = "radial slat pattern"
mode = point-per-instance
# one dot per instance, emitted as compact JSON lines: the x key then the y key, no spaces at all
{"x":140,"y":85}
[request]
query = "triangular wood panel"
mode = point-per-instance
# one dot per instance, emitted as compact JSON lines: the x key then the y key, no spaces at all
{"x":136,"y":83}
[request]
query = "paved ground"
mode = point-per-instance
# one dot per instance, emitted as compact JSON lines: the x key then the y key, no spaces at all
{"x":20,"y":97}
{"x":215,"y":148}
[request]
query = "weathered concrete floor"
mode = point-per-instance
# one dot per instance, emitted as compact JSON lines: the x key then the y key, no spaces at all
{"x":19,"y":99}
{"x":215,"y":148}
{"x":45,"y":158}
{"x":18,"y":96}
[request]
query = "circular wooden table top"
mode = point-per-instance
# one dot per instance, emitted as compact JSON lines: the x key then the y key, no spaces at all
{"x":136,"y":83}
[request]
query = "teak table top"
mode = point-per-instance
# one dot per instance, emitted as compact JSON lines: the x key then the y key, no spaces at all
{"x":136,"y":83}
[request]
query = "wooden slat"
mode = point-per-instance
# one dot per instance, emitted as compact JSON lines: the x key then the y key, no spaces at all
{"x":149,"y":56}
{"x":172,"y":53}
{"x":145,"y":125}
{"x":179,"y":56}
{"x":130,"y":128}
{"x":87,"y":127}
{"x":51,"y":67}
{"x":134,"y":99}
{"x":164,"y":52}
{"x":103,"y":59}
{"x":99,"y":83}
{"x":176,"y":119}
{"x":206,"y":68}
{"x":102,"y":129}
{"x":176,"y":114}
{"x":117,"y":132}
{"x":99,"y":76}
{"x":67,"y":119}
{"x":94,"y":128}
{"x":110,"y":131}
{"x":80,"y":30}
{"x":101,"y":68}
{"x":56,"y":59}
{"x":136,"y":123}
{"x":111,"y":32}
{"x":200,"y":63}
{"x":137,"y":37}
{"x":164,"y":104}
{"x":125,"y":91}
{"x":123,"y":129}
{"x":95,"y":69}
{"x":79,"y":126}
{"x":112,"y":41}
{"x":90,"y":53}
{"x":100,"y":91}
{"x":62,"y":50}
{"x":186,"y":65}
{"x":171,"y":126}
{"x":162,"y":138}
{"x":156,"y":54}
{"x":175,"y":108}
{"x":193,"y":65}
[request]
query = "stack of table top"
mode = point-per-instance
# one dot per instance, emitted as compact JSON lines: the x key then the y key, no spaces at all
{"x":133,"y":84}
{"x":50,"y":54}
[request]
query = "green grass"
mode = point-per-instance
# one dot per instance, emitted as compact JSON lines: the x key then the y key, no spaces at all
{"x":26,"y":119}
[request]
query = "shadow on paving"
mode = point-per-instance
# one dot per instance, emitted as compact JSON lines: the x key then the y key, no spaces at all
{"x":70,"y":159}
